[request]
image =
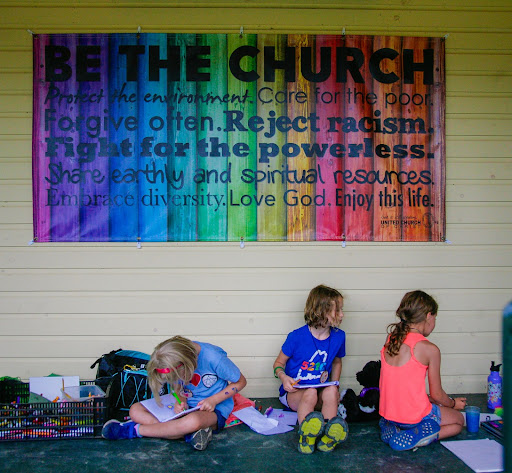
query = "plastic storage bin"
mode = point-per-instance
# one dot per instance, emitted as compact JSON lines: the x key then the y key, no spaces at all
{"x":21,"y":420}
{"x":86,"y":392}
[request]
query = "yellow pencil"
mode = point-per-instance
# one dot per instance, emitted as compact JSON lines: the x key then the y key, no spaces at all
{"x":295,"y":382}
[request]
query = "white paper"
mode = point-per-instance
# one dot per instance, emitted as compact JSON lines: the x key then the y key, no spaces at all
{"x":50,"y":387}
{"x":256,"y":421}
{"x":480,"y":455}
{"x":319,"y":385}
{"x":282,"y":416}
{"x":165,"y":412}
{"x":483,"y":416}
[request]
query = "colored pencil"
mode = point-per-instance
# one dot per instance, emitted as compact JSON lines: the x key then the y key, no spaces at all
{"x":178,"y":400}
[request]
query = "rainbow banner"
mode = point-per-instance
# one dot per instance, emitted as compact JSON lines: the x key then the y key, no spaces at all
{"x":218,"y":137}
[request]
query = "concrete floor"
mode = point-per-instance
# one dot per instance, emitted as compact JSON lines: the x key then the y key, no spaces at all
{"x":236,"y":449}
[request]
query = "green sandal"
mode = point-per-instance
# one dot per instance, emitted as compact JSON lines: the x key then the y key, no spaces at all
{"x":336,"y":432}
{"x":309,"y":430}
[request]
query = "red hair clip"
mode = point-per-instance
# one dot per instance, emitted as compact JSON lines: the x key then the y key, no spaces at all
{"x":168,"y":370}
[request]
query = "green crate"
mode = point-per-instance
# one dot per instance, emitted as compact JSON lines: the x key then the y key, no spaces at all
{"x":13,"y":390}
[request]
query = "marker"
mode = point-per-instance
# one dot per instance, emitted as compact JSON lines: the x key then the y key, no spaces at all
{"x":269,"y":411}
{"x":177,"y":398}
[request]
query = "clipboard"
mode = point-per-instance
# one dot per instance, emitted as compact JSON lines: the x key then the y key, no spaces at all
{"x":318,"y":385}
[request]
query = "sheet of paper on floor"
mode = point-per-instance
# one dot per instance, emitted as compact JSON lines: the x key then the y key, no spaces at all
{"x":256,"y":421}
{"x":483,"y":455}
{"x":286,"y":417}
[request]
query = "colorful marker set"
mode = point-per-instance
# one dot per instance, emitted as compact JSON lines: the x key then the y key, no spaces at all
{"x":52,"y":420}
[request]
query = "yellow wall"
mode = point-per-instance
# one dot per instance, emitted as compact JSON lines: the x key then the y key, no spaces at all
{"x":63,"y":305}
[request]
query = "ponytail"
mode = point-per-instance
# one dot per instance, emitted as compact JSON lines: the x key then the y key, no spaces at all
{"x":413,"y":308}
{"x":397,"y":333}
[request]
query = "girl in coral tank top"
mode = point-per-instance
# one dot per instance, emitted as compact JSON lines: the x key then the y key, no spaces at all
{"x":410,"y":417}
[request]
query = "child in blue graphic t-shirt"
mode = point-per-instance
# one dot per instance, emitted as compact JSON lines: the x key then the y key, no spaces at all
{"x":200,"y":375}
{"x":311,"y":355}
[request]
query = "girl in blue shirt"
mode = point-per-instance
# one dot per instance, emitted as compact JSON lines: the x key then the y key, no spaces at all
{"x":309,"y":356}
{"x":200,"y":374}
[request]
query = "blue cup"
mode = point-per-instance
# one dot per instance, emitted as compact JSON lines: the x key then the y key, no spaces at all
{"x":472,"y":418}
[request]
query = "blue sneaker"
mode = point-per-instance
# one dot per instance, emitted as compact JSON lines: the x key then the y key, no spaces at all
{"x":387,"y":430}
{"x":424,"y":433}
{"x":115,"y":430}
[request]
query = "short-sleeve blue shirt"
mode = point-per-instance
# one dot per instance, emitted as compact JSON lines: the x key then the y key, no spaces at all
{"x":310,"y":357}
{"x":214,"y":372}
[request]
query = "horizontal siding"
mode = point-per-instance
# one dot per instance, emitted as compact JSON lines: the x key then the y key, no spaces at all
{"x":272,"y":257}
{"x":265,"y":279}
{"x":63,"y":305}
{"x":171,"y":302}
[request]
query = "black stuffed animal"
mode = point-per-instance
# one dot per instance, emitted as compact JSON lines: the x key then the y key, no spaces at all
{"x":365,"y":407}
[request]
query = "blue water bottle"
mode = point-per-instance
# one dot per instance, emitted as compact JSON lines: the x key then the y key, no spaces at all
{"x":507,"y":385}
{"x":494,"y":387}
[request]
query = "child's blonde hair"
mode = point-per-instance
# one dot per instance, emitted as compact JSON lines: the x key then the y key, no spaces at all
{"x":319,"y":303}
{"x":413,"y":309}
{"x":169,"y":355}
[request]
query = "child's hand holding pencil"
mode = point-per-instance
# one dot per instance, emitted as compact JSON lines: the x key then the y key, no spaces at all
{"x":289,"y":383}
{"x":180,"y":405}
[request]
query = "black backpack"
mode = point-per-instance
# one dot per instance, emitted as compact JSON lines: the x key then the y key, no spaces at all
{"x":122,"y":375}
{"x":116,"y":361}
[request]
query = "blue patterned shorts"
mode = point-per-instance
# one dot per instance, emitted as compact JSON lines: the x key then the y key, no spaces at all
{"x":435,"y":415}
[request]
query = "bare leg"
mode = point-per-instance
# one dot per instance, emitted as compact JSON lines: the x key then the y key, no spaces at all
{"x":452,"y":422}
{"x":303,"y":401}
{"x":330,"y":399}
{"x":173,"y":429}
{"x":140,"y":415}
